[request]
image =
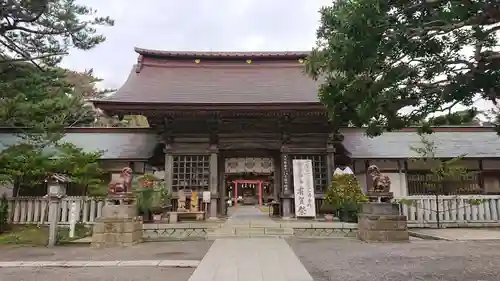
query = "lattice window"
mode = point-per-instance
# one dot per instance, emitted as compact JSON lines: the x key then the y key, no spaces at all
{"x":319,"y":170}
{"x":191,"y":172}
{"x":421,"y":183}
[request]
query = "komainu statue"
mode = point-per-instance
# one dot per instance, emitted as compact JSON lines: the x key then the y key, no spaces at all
{"x":379,"y":187}
{"x":123,"y":184}
{"x":379,"y":183}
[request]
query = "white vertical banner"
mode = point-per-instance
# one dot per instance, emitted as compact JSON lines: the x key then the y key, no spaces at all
{"x":303,"y":186}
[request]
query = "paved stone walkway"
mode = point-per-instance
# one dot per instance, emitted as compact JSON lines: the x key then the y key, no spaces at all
{"x":250,"y":259}
{"x":458,"y":234}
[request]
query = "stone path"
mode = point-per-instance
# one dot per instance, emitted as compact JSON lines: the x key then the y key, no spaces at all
{"x":123,"y":263}
{"x":458,"y":234}
{"x":250,"y":259}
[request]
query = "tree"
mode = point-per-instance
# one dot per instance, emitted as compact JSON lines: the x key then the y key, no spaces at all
{"x":39,"y":96}
{"x":31,"y":164}
{"x":457,"y":118}
{"x":389,"y":64}
{"x":43,"y":102}
{"x":42,"y":31}
{"x":447,"y":176}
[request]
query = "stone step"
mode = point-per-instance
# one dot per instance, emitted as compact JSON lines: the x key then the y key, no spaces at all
{"x":214,"y":237}
{"x":249,"y":232}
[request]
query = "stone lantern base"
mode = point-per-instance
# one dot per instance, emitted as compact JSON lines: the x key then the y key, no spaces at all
{"x":118,"y":226}
{"x":381,"y":222}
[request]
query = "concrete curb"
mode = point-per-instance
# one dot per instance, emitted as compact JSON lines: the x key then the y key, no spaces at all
{"x":128,"y":263}
{"x":427,"y":236}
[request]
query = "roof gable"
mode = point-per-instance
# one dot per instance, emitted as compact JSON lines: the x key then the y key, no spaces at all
{"x":217,"y":78}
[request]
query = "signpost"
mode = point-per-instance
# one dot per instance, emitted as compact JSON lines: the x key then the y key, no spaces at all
{"x":303,"y":183}
{"x":206,"y":199}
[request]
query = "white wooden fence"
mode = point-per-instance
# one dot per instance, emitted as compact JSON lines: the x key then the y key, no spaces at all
{"x":454,"y":211}
{"x":34,"y":210}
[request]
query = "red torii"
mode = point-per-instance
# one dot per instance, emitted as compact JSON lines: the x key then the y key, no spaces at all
{"x":259,"y":188}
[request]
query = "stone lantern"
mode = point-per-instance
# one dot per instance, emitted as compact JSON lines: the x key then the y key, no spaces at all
{"x":56,"y":185}
{"x":56,"y":190}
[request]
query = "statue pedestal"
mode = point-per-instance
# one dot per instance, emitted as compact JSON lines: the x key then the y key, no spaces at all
{"x":381,"y":222}
{"x":379,"y":196}
{"x":119,"y":225}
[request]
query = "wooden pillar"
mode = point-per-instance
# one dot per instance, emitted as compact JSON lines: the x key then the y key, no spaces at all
{"x":169,"y":159}
{"x":286,"y":183}
{"x":169,"y":164}
{"x":330,"y":162}
{"x":260,"y":193}
{"x":214,"y":175}
{"x":213,"y":127}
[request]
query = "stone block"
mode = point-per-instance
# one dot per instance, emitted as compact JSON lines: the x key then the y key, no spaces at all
{"x":172,"y":217}
{"x":119,"y":227}
{"x":381,"y":222}
{"x":383,"y":235}
{"x":130,"y":237}
{"x":380,"y":208}
{"x":370,"y":222}
{"x":119,"y":211}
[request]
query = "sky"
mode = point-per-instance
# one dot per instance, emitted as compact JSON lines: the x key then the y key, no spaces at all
{"x":194,"y":25}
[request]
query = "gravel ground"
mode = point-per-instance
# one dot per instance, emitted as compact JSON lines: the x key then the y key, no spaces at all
{"x":186,"y":250}
{"x":175,"y":250}
{"x":96,"y":274}
{"x":345,"y":259}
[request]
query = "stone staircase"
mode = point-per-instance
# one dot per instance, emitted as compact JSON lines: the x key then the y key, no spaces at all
{"x":247,"y":222}
{"x":248,"y":231}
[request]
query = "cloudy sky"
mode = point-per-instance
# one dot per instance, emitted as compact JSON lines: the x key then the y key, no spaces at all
{"x":195,"y":25}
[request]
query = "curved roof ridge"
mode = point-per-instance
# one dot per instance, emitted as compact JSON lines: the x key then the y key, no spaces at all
{"x":223,"y":54}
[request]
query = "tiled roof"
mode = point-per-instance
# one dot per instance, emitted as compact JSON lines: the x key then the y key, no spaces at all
{"x":215,"y":55}
{"x":115,"y":145}
{"x":140,"y":145}
{"x":397,"y":144}
{"x":168,"y":77}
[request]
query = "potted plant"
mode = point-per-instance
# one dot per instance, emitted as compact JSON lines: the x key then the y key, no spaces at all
{"x":328,"y":210}
{"x":161,"y":198}
{"x":153,"y":197}
{"x":345,"y":195}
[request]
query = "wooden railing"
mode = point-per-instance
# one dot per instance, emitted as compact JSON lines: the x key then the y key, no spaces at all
{"x":34,"y":210}
{"x":452,"y":210}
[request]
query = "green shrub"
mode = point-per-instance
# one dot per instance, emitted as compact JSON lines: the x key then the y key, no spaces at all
{"x":327,"y":208}
{"x":4,"y":213}
{"x":345,"y":194}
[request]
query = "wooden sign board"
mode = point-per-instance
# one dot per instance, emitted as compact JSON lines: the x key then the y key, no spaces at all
{"x":206,"y":196}
{"x":303,"y":184}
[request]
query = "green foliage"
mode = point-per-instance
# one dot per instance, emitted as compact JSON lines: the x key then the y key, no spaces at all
{"x":44,"y":31}
{"x":343,"y":191}
{"x":327,"y":208}
{"x":39,"y":98}
{"x":150,"y":199}
{"x":447,"y":174}
{"x":4,"y":213}
{"x":390,"y":64}
{"x":33,"y":164}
